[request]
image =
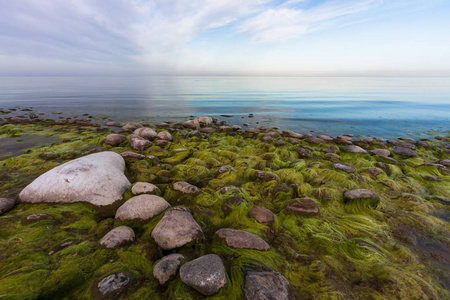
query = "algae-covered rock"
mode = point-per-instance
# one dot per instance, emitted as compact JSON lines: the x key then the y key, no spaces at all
{"x":166,"y":269}
{"x":141,"y":208}
{"x":344,"y":167}
{"x":176,"y":228}
{"x":36,"y":218}
{"x":227,"y":206}
{"x":6,"y":204}
{"x":264,"y":285}
{"x":362,"y":197}
{"x":206,"y":274}
{"x":96,"y":178}
{"x":113,"y":285}
{"x":239,"y":239}
{"x":119,"y":236}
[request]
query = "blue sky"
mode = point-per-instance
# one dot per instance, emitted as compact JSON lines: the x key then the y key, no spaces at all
{"x":225,"y":37}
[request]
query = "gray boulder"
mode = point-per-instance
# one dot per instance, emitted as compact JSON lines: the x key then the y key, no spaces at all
{"x":141,"y":208}
{"x":165,"y":135}
{"x":117,"y":237}
{"x":96,"y":178}
{"x":353,"y":149}
{"x":176,"y":228}
{"x":265,"y":285}
{"x":132,"y":126}
{"x":6,"y":204}
{"x":206,"y":274}
{"x":166,"y":269}
{"x":360,"y":194}
{"x":194,"y":124}
{"x":146,"y":133}
{"x":138,"y":143}
{"x":144,"y":188}
{"x":404,"y":151}
{"x":204,"y":121}
{"x":115,"y":139}
{"x":239,"y":239}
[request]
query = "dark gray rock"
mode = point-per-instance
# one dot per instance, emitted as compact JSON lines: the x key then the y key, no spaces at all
{"x":166,"y":269}
{"x":206,"y":274}
{"x":119,"y":236}
{"x":266,"y":176}
{"x":227,"y":206}
{"x":239,"y":239}
{"x":115,"y":139}
{"x":404,"y":151}
{"x":266,"y":285}
{"x":113,"y":285}
{"x":6,"y":204}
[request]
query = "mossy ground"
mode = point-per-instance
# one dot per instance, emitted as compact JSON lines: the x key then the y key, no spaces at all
{"x":394,"y":248}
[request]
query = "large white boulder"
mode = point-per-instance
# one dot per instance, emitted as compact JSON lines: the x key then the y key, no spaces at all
{"x":96,"y":178}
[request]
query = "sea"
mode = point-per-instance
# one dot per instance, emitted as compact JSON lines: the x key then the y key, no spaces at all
{"x":388,"y":107}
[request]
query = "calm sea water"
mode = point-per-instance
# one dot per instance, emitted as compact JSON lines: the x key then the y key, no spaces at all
{"x":367,"y":106}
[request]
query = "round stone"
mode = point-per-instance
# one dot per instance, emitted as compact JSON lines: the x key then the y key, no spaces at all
{"x":117,"y":237}
{"x":141,"y":208}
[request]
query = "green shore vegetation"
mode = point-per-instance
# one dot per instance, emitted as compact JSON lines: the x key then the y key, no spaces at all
{"x":393,"y":247}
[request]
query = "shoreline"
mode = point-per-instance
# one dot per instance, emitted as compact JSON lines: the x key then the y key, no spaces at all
{"x":322,"y":240}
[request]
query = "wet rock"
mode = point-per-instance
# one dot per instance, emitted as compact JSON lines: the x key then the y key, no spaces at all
{"x":138,"y":143}
{"x":224,"y":169}
{"x":236,"y":127}
{"x":404,"y":151}
{"x":265,"y":285}
{"x":204,"y":121}
{"x":227,"y":206}
{"x":194,"y":124}
{"x":303,"y":153}
{"x":292,"y":134}
{"x":332,"y":156}
{"x":97,"y":178}
{"x":146,"y":133}
{"x":141,"y":208}
{"x":266,"y":139}
{"x":166,"y":269}
{"x":176,"y":228}
{"x":144,"y":188}
{"x":353,"y":149}
{"x":161,"y":143}
{"x":132,"y":126}
{"x":385,"y":167}
{"x":261,"y":215}
{"x":344,"y":167}
{"x":331,"y":149}
{"x":292,"y":141}
{"x":113,"y":285}
{"x":380,"y":152}
{"x":6,"y":204}
{"x":401,"y":144}
{"x":406,"y":139}
{"x":132,"y":155}
{"x":266,"y":176}
{"x":238,"y":239}
{"x":305,"y":206}
{"x":36,"y":218}
{"x":325,"y":137}
{"x":280,"y":143}
{"x":186,"y":188}
{"x":367,"y":140}
{"x":225,"y":128}
{"x":360,"y":194}
{"x":208,"y":129}
{"x":232,"y":188}
{"x":117,"y":237}
{"x":206,"y":274}
{"x":115,"y":139}
{"x":165,"y":135}
{"x":314,"y":140}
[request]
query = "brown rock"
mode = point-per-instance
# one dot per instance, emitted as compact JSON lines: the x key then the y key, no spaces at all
{"x":146,"y":133}
{"x":292,"y":141}
{"x":331,"y":155}
{"x":305,"y":206}
{"x":261,"y":215}
{"x":385,"y":167}
{"x":238,"y":239}
{"x":132,"y":155}
{"x":325,"y":137}
{"x":138,"y":143}
{"x":381,"y":152}
{"x":115,"y":139}
{"x":266,"y":176}
{"x":314,"y":140}
{"x":344,"y":167}
{"x":401,"y":144}
{"x":404,"y":151}
{"x":266,"y":285}
{"x":161,"y":143}
{"x":353,"y":149}
{"x":165,"y":135}
{"x":303,"y":153}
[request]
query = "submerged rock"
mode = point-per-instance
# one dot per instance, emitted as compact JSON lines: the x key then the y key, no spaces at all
{"x":176,"y":228}
{"x":6,"y":204}
{"x":96,"y":178}
{"x":239,"y":239}
{"x":119,"y":236}
{"x":206,"y":274}
{"x":265,"y":285}
{"x":141,"y":208}
{"x":166,"y":269}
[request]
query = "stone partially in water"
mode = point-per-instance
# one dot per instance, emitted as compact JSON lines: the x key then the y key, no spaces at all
{"x":238,"y":239}
{"x":265,"y":285}
{"x":97,"y":178}
{"x":206,"y":274}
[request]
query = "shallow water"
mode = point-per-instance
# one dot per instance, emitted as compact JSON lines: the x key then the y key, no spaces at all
{"x":15,"y":146}
{"x":368,"y":106}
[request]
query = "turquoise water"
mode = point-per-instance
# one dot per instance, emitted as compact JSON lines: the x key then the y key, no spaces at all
{"x":367,"y":106}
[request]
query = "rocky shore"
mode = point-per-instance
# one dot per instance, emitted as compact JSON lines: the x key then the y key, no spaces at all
{"x":205,"y":209}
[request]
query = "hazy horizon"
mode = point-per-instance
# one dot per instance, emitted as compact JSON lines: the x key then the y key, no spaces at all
{"x":268,"y":38}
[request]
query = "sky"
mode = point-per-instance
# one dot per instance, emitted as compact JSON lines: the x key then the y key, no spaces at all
{"x":225,"y":37}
